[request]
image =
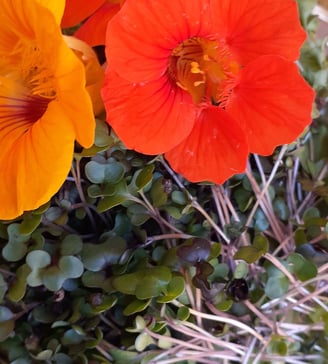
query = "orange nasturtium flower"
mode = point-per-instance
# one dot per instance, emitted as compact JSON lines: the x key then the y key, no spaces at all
{"x":44,"y":106}
{"x":206,"y":81}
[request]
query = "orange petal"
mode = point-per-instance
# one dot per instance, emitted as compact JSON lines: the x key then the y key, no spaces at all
{"x":71,"y":81}
{"x":272,"y":102}
{"x":94,"y":73}
{"x":252,"y":28}
{"x":36,"y":164}
{"x":93,"y":31}
{"x":215,"y":150}
{"x":143,"y":34}
{"x":78,"y":10}
{"x":55,"y":6}
{"x":151,"y":117}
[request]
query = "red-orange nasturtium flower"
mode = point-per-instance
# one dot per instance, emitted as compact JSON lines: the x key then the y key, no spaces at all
{"x":44,"y":106}
{"x":97,"y":14}
{"x":206,"y":81}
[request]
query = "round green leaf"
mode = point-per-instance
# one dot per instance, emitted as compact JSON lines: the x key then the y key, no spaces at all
{"x":95,"y":172}
{"x":38,"y":259}
{"x":136,"y":306}
{"x":70,"y":266}
{"x":174,"y":289}
{"x":142,"y":341}
{"x":144,"y":176}
{"x":7,"y":322}
{"x":71,"y":245}
{"x":241,"y":270}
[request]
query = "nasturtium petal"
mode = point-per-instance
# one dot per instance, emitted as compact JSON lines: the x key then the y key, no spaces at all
{"x":142,"y":37}
{"x":252,"y":28}
{"x":50,"y":108}
{"x":215,"y":149}
{"x":55,"y":6}
{"x":93,"y":30}
{"x":272,"y":102}
{"x":78,"y":10}
{"x":141,"y":113}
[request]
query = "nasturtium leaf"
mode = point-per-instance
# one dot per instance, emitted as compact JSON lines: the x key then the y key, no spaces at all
{"x":136,"y":306}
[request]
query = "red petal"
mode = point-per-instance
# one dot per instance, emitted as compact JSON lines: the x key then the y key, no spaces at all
{"x":93,"y":31}
{"x":252,"y":27}
{"x":152,"y":117}
{"x":78,"y":10}
{"x":143,"y":34}
{"x":214,"y":151}
{"x":273,"y":103}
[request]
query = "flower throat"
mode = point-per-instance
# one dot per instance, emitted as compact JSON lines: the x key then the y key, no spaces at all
{"x":203,"y":68}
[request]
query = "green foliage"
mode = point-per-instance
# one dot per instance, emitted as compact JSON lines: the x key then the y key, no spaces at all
{"x":129,"y":263}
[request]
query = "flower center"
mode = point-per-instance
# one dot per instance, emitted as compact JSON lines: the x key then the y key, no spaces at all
{"x":27,"y":85}
{"x":204,"y":68}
